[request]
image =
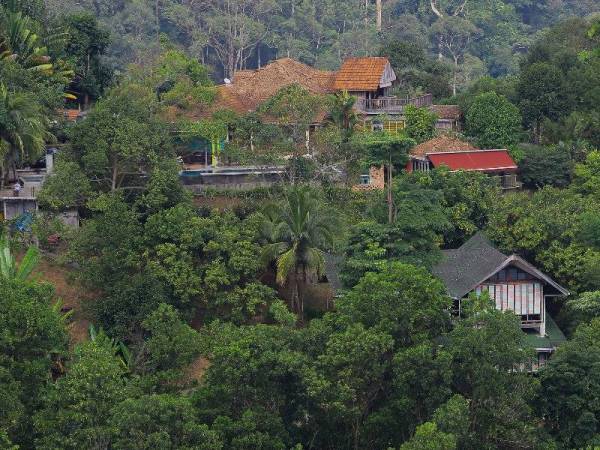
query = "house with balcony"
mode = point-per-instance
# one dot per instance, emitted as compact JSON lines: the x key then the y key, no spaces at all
{"x":456,"y":154}
{"x":512,"y":283}
{"x":372,"y":80}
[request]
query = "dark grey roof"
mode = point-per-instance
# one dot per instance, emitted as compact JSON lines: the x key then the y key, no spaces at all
{"x":462,"y":269}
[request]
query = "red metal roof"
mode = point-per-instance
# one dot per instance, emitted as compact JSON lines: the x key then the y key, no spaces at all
{"x":482,"y":160}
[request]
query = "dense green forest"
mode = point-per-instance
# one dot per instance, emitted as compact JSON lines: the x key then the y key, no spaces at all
{"x":485,"y":37}
{"x":200,"y":329}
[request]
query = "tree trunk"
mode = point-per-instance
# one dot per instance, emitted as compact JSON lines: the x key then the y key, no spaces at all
{"x":379,"y":14}
{"x":435,"y":10}
{"x":454,"y":82}
{"x":390,"y":200}
{"x":113,"y":186}
{"x":156,"y":6}
{"x":356,"y":434}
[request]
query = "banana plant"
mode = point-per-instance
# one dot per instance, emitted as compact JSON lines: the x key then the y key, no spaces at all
{"x":121,"y":351}
{"x":10,"y":270}
{"x":19,"y":42}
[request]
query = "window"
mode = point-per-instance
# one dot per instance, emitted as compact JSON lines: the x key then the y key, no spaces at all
{"x":393,"y":126}
{"x":365,"y":179}
{"x":511,"y":274}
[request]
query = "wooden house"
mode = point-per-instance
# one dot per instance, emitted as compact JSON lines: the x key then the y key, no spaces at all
{"x":455,"y":154}
{"x":371,"y":80}
{"x":512,"y":283}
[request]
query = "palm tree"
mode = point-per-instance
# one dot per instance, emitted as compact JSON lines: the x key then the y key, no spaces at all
{"x":299,"y":229}
{"x":23,"y":129}
{"x":343,"y":114}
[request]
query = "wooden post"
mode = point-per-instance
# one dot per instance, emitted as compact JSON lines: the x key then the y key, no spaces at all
{"x":379,"y":14}
{"x":389,"y":193}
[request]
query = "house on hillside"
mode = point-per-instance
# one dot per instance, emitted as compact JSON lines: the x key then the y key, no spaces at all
{"x":449,"y":151}
{"x":512,"y":283}
{"x":371,"y":80}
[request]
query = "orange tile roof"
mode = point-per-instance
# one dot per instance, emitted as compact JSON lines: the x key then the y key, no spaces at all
{"x":360,"y":74}
{"x":441,"y":144}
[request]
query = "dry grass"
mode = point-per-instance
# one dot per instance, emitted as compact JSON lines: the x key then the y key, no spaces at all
{"x":70,"y":292}
{"x":197,"y":369}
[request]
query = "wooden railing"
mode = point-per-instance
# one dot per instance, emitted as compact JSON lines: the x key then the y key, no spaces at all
{"x":508,"y":181}
{"x":26,"y":192}
{"x":392,"y":104}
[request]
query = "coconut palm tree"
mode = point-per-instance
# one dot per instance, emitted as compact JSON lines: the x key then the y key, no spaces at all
{"x":299,"y":230}
{"x":23,"y":129}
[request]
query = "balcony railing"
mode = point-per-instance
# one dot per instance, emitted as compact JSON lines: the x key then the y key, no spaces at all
{"x":508,"y":181}
{"x":391,"y":104}
{"x":26,"y":192}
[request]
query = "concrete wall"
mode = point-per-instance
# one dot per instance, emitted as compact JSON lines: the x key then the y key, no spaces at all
{"x":15,"y":207}
{"x":377,"y":180}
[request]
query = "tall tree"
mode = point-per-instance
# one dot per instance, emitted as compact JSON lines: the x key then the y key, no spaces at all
{"x":454,"y":35}
{"x":121,"y":140}
{"x":23,"y":129}
{"x":493,"y":121}
{"x":235,"y":27}
{"x":570,"y":390}
{"x":32,"y":343}
{"x":85,"y":46}
{"x":78,"y":406}
{"x":389,"y":150}
{"x":298,"y":230}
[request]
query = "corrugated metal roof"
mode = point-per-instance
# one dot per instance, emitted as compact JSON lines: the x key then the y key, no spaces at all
{"x":360,"y":74}
{"x":482,"y":160}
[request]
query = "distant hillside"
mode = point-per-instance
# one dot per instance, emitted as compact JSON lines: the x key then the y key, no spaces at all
{"x":477,"y":37}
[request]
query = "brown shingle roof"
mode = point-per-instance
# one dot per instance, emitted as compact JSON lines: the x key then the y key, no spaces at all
{"x":250,"y":88}
{"x":442,"y":143}
{"x":446,"y":111}
{"x":360,"y":74}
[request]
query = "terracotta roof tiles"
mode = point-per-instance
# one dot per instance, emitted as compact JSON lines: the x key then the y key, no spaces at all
{"x":442,"y":143}
{"x":446,"y":111}
{"x":360,"y":74}
{"x":250,"y":88}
